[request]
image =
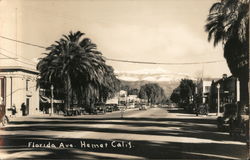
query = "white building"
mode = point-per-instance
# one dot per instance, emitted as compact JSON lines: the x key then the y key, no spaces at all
{"x":203,"y":88}
{"x":18,"y":72}
{"x":18,"y":85}
{"x":18,"y":81}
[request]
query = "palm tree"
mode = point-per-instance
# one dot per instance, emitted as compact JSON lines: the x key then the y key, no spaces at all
{"x":74,"y":64}
{"x":228,"y":23}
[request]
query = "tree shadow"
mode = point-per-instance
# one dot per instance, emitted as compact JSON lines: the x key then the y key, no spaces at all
{"x":199,"y":129}
{"x":138,"y":149}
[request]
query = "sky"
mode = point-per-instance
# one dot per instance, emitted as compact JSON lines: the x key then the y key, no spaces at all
{"x":164,"y":31}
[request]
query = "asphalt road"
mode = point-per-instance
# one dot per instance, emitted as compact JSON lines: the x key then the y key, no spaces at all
{"x":152,"y":134}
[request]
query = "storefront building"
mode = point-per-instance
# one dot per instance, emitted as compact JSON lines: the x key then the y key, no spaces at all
{"x":18,"y":86}
{"x":228,"y":88}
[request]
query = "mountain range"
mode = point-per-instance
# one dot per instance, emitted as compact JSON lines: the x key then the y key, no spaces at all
{"x":152,"y":75}
{"x":167,"y":80}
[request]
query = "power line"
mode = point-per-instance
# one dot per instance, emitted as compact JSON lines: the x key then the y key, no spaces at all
{"x":16,"y":59}
{"x":125,"y":61}
{"x":186,"y":63}
{"x":35,"y":45}
{"x":17,"y":55}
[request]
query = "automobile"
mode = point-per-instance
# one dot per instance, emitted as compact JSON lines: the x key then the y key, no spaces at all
{"x":143,"y":107}
{"x":109,"y":108}
{"x":83,"y":110}
{"x":202,"y":109}
{"x":223,"y":123}
{"x":137,"y":105}
{"x":115,"y":107}
{"x":121,"y":107}
{"x":72,"y":111}
{"x":100,"y":108}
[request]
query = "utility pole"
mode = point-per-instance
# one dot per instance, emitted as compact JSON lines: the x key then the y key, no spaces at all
{"x":52,"y":98}
{"x":218,"y":111}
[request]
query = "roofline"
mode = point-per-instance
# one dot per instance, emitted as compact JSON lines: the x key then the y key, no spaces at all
{"x":222,"y":78}
{"x":18,"y":68}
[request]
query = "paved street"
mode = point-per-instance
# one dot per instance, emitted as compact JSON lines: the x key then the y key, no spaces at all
{"x":152,"y":134}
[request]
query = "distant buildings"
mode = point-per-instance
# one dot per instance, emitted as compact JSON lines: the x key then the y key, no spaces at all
{"x":122,"y":98}
{"x":203,"y":89}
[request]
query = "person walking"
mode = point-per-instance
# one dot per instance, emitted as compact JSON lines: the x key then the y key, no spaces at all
{"x":23,"y":109}
{"x":13,"y":110}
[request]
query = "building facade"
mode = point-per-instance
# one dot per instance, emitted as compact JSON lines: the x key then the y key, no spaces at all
{"x":203,"y":89}
{"x":18,"y":86}
{"x":228,"y":89}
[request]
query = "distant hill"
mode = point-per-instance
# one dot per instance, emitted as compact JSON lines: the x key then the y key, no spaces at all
{"x":166,"y":79}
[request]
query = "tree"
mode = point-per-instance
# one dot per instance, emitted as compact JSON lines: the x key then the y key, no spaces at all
{"x":187,"y":89}
{"x":74,"y":64}
{"x":228,"y":22}
{"x":183,"y":92}
{"x":152,"y":92}
{"x":175,"y":96}
{"x":133,"y":91}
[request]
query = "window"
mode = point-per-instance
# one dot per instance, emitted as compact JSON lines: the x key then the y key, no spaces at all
{"x":207,"y":88}
{"x":27,"y":85}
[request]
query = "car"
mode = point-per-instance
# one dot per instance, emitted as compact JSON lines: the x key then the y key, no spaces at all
{"x":115,"y":107}
{"x":91,"y":110}
{"x":100,"y":108}
{"x":109,"y":108}
{"x":72,"y":111}
{"x":143,"y":107}
{"x":121,"y":107}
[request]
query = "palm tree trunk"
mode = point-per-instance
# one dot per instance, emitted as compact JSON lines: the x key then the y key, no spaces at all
{"x":68,"y":90}
{"x":248,"y":128}
{"x":244,"y":93}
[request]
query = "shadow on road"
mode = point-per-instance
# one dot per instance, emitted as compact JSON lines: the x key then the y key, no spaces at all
{"x":140,"y":149}
{"x":201,"y":129}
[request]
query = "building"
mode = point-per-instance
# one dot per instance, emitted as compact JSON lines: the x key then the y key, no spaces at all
{"x":122,"y":98}
{"x":203,"y":89}
{"x":18,"y":85}
{"x":18,"y":77}
{"x":228,"y":88}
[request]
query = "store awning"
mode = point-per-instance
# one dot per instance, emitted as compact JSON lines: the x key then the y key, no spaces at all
{"x":45,"y":99}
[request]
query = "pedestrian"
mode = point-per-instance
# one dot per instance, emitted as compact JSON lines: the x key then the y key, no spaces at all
{"x":23,"y":109}
{"x":13,"y":110}
{"x":207,"y":108}
{"x":197,"y":109}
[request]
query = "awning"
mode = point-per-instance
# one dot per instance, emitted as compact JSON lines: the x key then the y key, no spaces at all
{"x":45,"y":99}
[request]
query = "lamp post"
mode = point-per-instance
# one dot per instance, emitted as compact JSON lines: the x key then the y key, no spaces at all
{"x":218,"y":111}
{"x":52,"y":97}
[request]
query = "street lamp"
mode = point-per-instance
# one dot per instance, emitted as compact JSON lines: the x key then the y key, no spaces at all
{"x":52,"y":97}
{"x":218,"y":87}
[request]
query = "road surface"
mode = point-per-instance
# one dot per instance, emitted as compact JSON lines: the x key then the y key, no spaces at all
{"x":152,"y":134}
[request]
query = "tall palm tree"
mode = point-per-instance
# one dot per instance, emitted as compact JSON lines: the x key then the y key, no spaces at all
{"x":74,"y":64}
{"x":228,"y":22}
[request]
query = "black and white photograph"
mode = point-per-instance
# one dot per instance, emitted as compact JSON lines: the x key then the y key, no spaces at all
{"x":124,"y":79}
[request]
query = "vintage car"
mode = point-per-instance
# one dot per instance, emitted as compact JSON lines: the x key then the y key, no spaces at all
{"x":143,"y":107}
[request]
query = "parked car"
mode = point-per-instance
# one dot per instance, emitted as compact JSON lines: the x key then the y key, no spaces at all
{"x":72,"y":111}
{"x":100,"y":108}
{"x":115,"y":107}
{"x":83,"y":110}
{"x":109,"y":108}
{"x":143,"y":107}
{"x":230,"y":113}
